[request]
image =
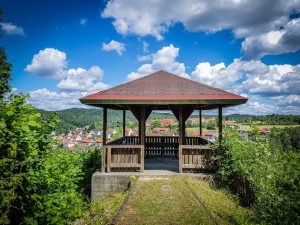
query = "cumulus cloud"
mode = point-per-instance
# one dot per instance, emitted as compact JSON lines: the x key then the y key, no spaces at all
{"x":253,"y":108}
{"x":250,"y":77}
{"x":45,"y":99}
{"x":273,"y":42}
{"x":83,"y":80}
{"x":74,"y":83}
{"x":11,"y":29}
{"x":224,"y":77}
{"x":163,"y":59}
{"x":114,"y":45}
{"x":245,"y":18}
{"x":278,"y":80}
{"x":49,"y":62}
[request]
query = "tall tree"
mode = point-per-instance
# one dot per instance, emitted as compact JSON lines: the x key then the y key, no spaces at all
{"x":5,"y":68}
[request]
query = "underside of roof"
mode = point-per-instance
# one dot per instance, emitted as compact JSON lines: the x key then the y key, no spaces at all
{"x":163,"y":91}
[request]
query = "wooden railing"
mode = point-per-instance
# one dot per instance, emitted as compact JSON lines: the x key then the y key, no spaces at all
{"x":196,"y":141}
{"x":126,"y":154}
{"x":123,"y":158}
{"x":244,"y":188}
{"x":196,"y":158}
{"x":163,"y":145}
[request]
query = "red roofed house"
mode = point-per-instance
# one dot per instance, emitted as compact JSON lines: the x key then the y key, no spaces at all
{"x":228,"y":123}
{"x":159,"y":91}
{"x":167,"y":122}
{"x":193,"y":120}
{"x":129,"y":132}
{"x":99,"y":142}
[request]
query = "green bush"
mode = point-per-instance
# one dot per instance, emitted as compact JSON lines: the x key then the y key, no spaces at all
{"x":274,"y":173}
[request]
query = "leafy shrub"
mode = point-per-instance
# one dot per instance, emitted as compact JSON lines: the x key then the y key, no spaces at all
{"x":274,"y":173}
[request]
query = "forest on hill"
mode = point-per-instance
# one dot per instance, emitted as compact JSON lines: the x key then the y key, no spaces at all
{"x":72,"y":118}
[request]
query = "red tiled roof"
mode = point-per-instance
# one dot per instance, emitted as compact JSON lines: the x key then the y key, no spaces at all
{"x":163,"y":86}
{"x":167,"y":121}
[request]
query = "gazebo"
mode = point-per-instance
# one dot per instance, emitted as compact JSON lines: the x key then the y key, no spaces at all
{"x":160,"y":91}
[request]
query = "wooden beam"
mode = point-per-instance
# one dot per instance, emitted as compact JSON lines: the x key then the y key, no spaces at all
{"x":148,"y":111}
{"x":181,"y":126}
{"x":124,"y":122}
{"x":200,"y":121}
{"x":104,"y":124}
{"x":189,"y":109}
{"x":175,"y":111}
{"x":220,"y":123}
{"x":135,"y":111}
{"x":142,"y":125}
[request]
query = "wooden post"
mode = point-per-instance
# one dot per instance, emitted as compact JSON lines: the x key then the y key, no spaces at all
{"x":181,"y":126}
{"x":142,"y":125}
{"x":124,"y":122}
{"x":142,"y":159}
{"x":104,"y":150}
{"x":200,"y":121}
{"x":104,"y":124}
{"x":108,"y":164}
{"x":220,"y":123}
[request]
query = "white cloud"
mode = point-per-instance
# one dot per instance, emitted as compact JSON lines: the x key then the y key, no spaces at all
{"x":83,"y":21}
{"x":49,"y":62}
{"x":244,"y":18}
{"x":273,"y":42}
{"x":224,"y":77}
{"x":83,"y":80}
{"x":144,"y":57}
{"x":145,"y":46}
{"x":11,"y":29}
{"x":114,"y":45}
{"x":278,"y":80}
{"x":163,"y":59}
{"x":253,"y":108}
{"x":45,"y":99}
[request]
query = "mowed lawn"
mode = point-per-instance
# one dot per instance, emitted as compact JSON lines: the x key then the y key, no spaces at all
{"x":168,"y":200}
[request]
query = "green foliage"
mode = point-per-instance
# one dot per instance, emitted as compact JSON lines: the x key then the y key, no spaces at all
{"x":5,"y":68}
{"x":91,"y":161}
{"x":286,"y":139}
{"x":56,"y":199}
{"x":212,"y":125}
{"x":38,"y":185}
{"x":24,"y":140}
{"x":274,"y":173}
{"x":156,"y":123}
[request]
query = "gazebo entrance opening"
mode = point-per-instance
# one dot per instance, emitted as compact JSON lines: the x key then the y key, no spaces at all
{"x":160,"y":91}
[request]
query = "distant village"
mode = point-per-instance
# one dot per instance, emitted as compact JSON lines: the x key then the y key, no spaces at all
{"x":83,"y":138}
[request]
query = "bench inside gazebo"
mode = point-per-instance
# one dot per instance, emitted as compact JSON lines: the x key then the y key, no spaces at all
{"x":160,"y":91}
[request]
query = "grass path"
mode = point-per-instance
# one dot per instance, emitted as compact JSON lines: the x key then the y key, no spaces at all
{"x":169,"y":200}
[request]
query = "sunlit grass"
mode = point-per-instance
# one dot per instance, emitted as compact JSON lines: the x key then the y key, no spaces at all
{"x":167,"y":200}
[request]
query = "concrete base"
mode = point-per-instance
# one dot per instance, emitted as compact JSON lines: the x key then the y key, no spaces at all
{"x":105,"y":184}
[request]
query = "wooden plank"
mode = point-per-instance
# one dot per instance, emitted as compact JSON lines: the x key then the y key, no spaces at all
{"x":108,"y":159}
{"x":104,"y":124}
{"x":142,"y":150}
{"x":195,"y":147}
{"x":103,"y":159}
{"x":180,"y":159}
{"x":116,"y":165}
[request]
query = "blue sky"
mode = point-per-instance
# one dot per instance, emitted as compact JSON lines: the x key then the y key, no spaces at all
{"x":63,"y":50}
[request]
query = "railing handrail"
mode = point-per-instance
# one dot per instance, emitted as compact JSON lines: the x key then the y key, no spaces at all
{"x":134,"y":140}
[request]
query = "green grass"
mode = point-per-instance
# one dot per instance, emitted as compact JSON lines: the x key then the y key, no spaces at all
{"x":167,"y":200}
{"x":220,"y":204}
{"x":247,"y":127}
{"x":197,"y":129}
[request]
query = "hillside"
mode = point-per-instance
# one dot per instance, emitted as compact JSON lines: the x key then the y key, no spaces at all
{"x":80,"y":117}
